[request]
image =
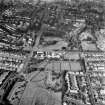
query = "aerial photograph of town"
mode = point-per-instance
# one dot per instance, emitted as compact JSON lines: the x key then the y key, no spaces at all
{"x":52,"y":52}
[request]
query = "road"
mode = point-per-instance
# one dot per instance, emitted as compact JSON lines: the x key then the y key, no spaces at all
{"x":35,"y":47}
{"x":39,"y":34}
{"x":77,"y":102}
{"x":91,"y":95}
{"x":88,"y":83}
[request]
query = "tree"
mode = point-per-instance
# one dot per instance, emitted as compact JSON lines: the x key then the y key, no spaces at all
{"x":100,"y":41}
